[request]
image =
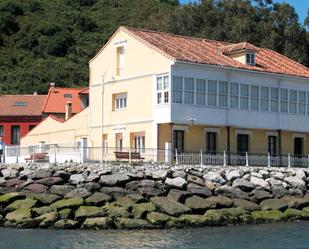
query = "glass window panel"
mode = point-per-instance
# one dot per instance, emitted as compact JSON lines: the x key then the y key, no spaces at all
{"x":264,"y":98}
{"x":200,"y":91}
{"x":234,"y":95}
{"x":165,"y":82}
{"x":177,"y":89}
{"x":254,"y":101}
{"x":302,"y":102}
{"x":284,"y":100}
{"x":293,"y":101}
{"x":189,"y":91}
{"x":244,"y":96}
{"x":223,"y":93}
{"x":159,"y":83}
{"x":212,"y":93}
{"x":274,"y":96}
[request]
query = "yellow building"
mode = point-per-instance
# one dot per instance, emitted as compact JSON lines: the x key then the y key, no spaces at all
{"x":156,"y":90}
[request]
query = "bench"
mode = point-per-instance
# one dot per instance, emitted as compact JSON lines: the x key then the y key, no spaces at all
{"x":42,"y":156}
{"x":126,"y":155}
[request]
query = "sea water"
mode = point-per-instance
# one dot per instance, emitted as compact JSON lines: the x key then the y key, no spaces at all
{"x":273,"y":236}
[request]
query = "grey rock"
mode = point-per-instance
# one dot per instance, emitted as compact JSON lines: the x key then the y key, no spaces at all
{"x":259,"y":183}
{"x":115,"y":192}
{"x":199,"y":190}
{"x":198,"y":204}
{"x":114,"y":179}
{"x":92,"y":186}
{"x":214,"y":177}
{"x":232,"y":175}
{"x":36,"y":188}
{"x":159,"y":175}
{"x":49,"y":181}
{"x":195,"y":179}
{"x":98,"y":199}
{"x":176,"y":182}
{"x":260,"y":195}
{"x":245,"y":204}
{"x":9,"y":173}
{"x":61,"y":189}
{"x":178,"y":195}
{"x":38,"y":174}
{"x":63,"y":174}
{"x":150,"y":192}
{"x":296,"y":182}
{"x":77,"y":179}
{"x":243,"y":184}
{"x":169,"y":207}
{"x":179,"y":173}
{"x":78,"y":193}
{"x":274,"y":204}
{"x":231,"y":192}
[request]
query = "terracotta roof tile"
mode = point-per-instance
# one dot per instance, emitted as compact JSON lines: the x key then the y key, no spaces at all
{"x":237,"y":47}
{"x":57,"y":98}
{"x":21,"y":105}
{"x":203,"y":51}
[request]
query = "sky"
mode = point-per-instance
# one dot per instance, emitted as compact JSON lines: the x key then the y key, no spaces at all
{"x":301,"y":7}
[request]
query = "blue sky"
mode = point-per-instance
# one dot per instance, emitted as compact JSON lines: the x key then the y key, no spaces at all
{"x":301,"y":6}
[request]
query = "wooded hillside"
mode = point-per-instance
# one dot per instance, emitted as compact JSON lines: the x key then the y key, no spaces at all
{"x":44,"y":41}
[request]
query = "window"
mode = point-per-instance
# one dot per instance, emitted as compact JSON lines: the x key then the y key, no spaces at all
{"x":120,"y":101}
{"x":274,"y":98}
{"x":302,"y":103}
{"x":139,"y":142}
{"x":189,"y":91}
{"x":120,"y":60}
{"x":211,"y":142}
{"x":284,"y":100}
{"x":212,"y":93}
{"x":119,"y":141}
{"x":244,"y":96}
{"x":254,"y":97}
{"x":242,"y":143}
{"x":19,"y":103}
{"x":1,"y":130}
{"x":293,"y":101}
{"x":177,"y":89}
{"x":223,"y":93}
{"x":264,"y":98}
{"x":308,"y":103}
{"x":200,"y":91}
{"x":250,"y":59}
{"x":272,"y":145}
{"x":162,"y":89}
{"x":178,"y":140}
{"x":234,"y":95}
{"x":15,"y":134}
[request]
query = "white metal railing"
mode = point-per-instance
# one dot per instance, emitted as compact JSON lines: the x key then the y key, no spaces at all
{"x":61,"y":153}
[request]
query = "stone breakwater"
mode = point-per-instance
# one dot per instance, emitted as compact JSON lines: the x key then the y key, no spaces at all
{"x":95,"y":196}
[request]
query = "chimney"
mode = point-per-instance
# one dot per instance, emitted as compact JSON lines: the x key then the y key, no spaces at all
{"x":52,"y":86}
{"x":68,"y":110}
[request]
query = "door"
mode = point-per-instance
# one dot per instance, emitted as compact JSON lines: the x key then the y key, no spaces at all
{"x":178,"y":141}
{"x":298,"y":151}
{"x":242,"y":148}
{"x":211,"y":142}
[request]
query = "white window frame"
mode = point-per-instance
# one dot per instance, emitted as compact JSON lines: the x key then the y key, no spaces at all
{"x":264,"y":99}
{"x":223,"y":96}
{"x":250,"y":59}
{"x":200,"y":94}
{"x":121,"y":101}
{"x":302,"y":102}
{"x":212,"y":94}
{"x":293,"y":103}
{"x":254,"y":98}
{"x":162,"y":89}
{"x":177,"y":91}
{"x":234,"y":95}
{"x":244,"y":97}
{"x":285,"y":101}
{"x":189,"y":92}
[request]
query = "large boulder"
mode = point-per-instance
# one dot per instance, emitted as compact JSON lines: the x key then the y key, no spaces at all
{"x":95,"y":223}
{"x":214,"y":177}
{"x":177,"y":182}
{"x":37,"y":174}
{"x":232,"y":175}
{"x":46,"y":199}
{"x":196,"y":180}
{"x":260,"y":195}
{"x":150,"y":192}
{"x":169,"y":207}
{"x":156,"y":218}
{"x":294,"y":214}
{"x":259,"y":183}
{"x":178,"y":195}
{"x":243,"y":184}
{"x":26,"y":203}
{"x":9,"y":173}
{"x":231,"y":192}
{"x":92,"y":186}
{"x":296,"y":182}
{"x":141,"y":210}
{"x":159,"y":174}
{"x":42,"y":210}
{"x":89,"y":212}
{"x":77,"y":179}
{"x":66,"y":224}
{"x":116,"y":212}
{"x":61,"y":190}
{"x":114,"y":179}
{"x":219,"y":202}
{"x":19,"y":215}
{"x":47,"y":219}
{"x":67,"y":203}
{"x":274,"y":204}
{"x":198,"y":204}
{"x":49,"y":181}
{"x":199,"y":190}
{"x":98,"y":199}
{"x":115,"y":192}
{"x":10,"y":197}
{"x":267,"y":216}
{"x":78,"y":193}
{"x":128,"y":223}
{"x":125,"y":201}
{"x":36,"y":188}
{"x":247,"y":205}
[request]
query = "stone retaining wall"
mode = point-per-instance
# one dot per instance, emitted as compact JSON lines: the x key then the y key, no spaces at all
{"x":149,"y":196}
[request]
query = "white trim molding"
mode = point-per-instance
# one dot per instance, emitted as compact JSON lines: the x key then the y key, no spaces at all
{"x":244,"y":132}
{"x":180,"y":128}
{"x":216,"y":130}
{"x":271,"y":133}
{"x":299,"y":135}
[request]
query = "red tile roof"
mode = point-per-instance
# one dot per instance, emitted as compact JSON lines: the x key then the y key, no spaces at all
{"x":57,"y":98}
{"x":238,"y":47}
{"x":21,"y":105}
{"x":203,"y":51}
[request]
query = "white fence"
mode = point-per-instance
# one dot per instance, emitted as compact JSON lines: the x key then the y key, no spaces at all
{"x":54,"y":153}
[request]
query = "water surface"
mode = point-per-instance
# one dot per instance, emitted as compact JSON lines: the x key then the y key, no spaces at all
{"x":267,"y":236}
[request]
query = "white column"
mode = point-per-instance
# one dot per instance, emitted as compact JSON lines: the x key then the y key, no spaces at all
{"x":168,"y":153}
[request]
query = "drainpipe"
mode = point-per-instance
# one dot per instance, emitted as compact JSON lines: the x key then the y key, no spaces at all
{"x":102,"y":119}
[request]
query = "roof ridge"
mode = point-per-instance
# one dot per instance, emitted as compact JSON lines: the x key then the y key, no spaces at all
{"x":171,"y":34}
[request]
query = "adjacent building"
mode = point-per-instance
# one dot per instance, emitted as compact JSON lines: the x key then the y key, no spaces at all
{"x":156,"y":90}
{"x":19,"y":114}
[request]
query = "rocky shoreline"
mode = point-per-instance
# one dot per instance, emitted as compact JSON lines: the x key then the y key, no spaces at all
{"x":100,"y":196}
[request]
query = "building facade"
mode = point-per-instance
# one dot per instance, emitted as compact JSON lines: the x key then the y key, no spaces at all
{"x":156,"y":90}
{"x":19,"y":114}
